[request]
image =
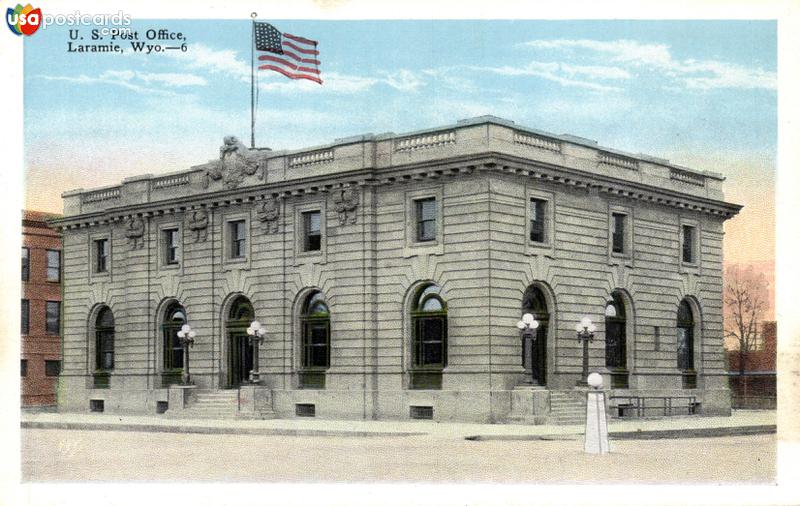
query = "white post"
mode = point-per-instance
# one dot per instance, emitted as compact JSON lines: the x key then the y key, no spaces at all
{"x":596,"y":432}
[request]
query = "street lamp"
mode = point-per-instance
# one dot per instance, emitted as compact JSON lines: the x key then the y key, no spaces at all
{"x":186,"y":337}
{"x":527,"y":328}
{"x":585,"y":330}
{"x":256,"y":333}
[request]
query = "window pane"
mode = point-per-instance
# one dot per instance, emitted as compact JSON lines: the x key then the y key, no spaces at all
{"x":23,"y":367}
{"x":101,"y":252}
{"x":237,"y":239}
{"x":25,"y":315}
{"x":432,"y":304}
{"x":427,"y":209}
{"x":53,"y":265}
{"x":432,"y":337}
{"x":319,"y":335}
{"x":537,"y":220}
{"x":618,"y":236}
{"x":53,"y":317}
{"x":52,"y":367}
{"x":688,"y":244}
{"x":313,"y":223}
{"x":26,"y":264}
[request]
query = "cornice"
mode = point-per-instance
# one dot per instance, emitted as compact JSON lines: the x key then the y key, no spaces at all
{"x":412,"y":173}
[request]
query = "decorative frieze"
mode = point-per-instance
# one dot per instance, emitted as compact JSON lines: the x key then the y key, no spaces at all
{"x":234,"y":165}
{"x":317,"y":157}
{"x":606,"y":158}
{"x":170,"y":181}
{"x":687,"y":177}
{"x":537,"y":141}
{"x":345,"y":202}
{"x":425,"y":141}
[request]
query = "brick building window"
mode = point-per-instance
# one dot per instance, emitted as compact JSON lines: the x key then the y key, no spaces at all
{"x":101,"y":255}
{"x":25,"y":316}
{"x":23,"y":367}
{"x":53,"y":265}
{"x":238,"y":238}
{"x":53,"y":317}
{"x":312,"y":231}
{"x":52,"y":367}
{"x":26,"y":264}
{"x":426,"y":219}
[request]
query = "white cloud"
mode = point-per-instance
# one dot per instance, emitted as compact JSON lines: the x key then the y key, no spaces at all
{"x":109,"y":78}
{"x":553,"y":72}
{"x":215,"y":61}
{"x":140,"y":82}
{"x":708,"y":74}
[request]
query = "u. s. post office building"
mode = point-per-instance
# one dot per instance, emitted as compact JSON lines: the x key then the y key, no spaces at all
{"x":389,"y":273}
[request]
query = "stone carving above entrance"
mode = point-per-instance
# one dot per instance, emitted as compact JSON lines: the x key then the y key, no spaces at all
{"x":235,"y":164}
{"x":134,"y":231}
{"x":268,"y":213}
{"x":345,"y":202}
{"x":198,"y":223}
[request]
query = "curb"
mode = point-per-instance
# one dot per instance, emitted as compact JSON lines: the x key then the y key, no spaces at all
{"x":204,"y":429}
{"x":744,"y":430}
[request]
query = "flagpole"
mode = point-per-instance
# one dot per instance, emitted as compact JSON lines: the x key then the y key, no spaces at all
{"x":252,"y":83}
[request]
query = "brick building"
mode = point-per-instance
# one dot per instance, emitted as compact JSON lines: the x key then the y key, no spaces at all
{"x":754,"y":385}
{"x":390,"y":271}
{"x":40,"y":310}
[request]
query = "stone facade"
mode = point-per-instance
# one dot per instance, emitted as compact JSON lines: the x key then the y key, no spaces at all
{"x":41,"y":344}
{"x":371,"y":254}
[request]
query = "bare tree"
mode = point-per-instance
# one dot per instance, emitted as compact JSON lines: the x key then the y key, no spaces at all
{"x":745,"y":298}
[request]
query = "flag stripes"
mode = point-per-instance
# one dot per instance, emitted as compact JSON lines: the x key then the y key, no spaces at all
{"x":290,"y":55}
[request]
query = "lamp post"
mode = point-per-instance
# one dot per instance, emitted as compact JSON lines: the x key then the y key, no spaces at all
{"x":527,"y":328}
{"x":585,"y":330}
{"x":256,"y":333}
{"x":186,"y":337}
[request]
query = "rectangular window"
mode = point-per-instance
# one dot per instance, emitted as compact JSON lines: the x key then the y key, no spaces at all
{"x":101,"y":255}
{"x":52,"y":367}
{"x":171,"y":246}
{"x":316,"y":344}
{"x":238,"y":239}
{"x":688,"y":244}
{"x":26,"y":316}
{"x":426,"y":219}
{"x":312,"y":231}
{"x":53,"y":265}
{"x":537,"y":220}
{"x":23,"y":367}
{"x":618,"y":233}
{"x":53,"y":317}
{"x":26,"y":264}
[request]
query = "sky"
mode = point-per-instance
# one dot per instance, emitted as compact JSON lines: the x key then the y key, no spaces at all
{"x":700,"y":93}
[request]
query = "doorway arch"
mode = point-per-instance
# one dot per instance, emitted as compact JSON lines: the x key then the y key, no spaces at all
{"x":240,"y":352}
{"x":534,"y":352}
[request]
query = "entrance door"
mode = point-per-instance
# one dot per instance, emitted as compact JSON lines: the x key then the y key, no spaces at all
{"x":240,"y":351}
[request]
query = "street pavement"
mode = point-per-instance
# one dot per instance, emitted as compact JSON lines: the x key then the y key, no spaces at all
{"x":741,"y":422}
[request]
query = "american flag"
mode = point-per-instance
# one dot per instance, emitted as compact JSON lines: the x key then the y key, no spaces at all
{"x":293,"y":56}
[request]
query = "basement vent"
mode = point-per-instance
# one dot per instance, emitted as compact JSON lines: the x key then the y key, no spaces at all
{"x":96,"y":405}
{"x":162,"y":407}
{"x":421,"y":412}
{"x":305,"y":409}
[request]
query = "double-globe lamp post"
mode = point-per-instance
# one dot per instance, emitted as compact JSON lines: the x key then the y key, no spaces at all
{"x":527,"y":327}
{"x":256,"y":332}
{"x":186,"y":338}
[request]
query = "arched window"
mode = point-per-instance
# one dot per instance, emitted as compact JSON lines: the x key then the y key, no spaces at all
{"x":534,"y":352}
{"x":240,"y":351}
{"x":685,"y":325}
{"x":429,"y":328}
{"x":616,"y":341}
{"x":315,"y":322}
{"x":174,"y":319}
{"x":104,"y":340}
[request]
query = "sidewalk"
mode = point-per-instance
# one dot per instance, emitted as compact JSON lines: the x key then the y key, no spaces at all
{"x":740,"y":423}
